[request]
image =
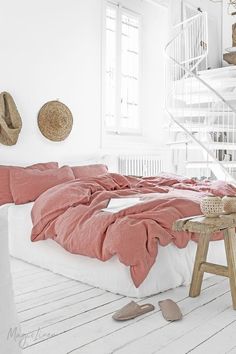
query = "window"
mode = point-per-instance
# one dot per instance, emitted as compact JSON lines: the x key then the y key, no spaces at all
{"x":122,"y":62}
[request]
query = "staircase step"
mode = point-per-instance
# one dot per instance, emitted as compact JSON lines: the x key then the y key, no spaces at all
{"x":201,"y":128}
{"x":202,"y":97}
{"x":193,"y":146}
{"x":202,"y":164}
{"x":224,"y":71}
{"x":194,"y":85}
{"x":196,"y":112}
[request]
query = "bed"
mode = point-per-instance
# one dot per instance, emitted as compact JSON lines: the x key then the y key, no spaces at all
{"x":172,"y":268}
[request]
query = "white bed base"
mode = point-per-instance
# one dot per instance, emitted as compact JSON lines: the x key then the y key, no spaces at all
{"x":172,"y":268}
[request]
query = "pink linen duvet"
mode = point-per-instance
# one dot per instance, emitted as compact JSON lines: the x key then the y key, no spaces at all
{"x":70,"y":214}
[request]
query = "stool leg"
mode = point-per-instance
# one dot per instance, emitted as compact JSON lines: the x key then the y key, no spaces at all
{"x":201,"y":255}
{"x":230,"y":249}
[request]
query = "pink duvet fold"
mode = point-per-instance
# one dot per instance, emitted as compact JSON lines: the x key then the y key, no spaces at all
{"x":70,"y":214}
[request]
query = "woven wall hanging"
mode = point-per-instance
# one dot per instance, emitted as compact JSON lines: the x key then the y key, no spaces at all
{"x":10,"y":120}
{"x":55,"y":121}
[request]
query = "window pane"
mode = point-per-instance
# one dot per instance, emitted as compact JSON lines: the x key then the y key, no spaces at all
{"x":110,"y":80}
{"x":129,"y":71}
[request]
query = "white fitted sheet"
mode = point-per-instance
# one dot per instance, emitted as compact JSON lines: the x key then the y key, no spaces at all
{"x":172,"y":268}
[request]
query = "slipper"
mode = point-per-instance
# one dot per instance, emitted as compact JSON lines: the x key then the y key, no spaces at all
{"x":132,"y":310}
{"x":170,"y":310}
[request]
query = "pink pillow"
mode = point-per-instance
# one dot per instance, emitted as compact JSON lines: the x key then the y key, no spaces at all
{"x":5,"y":191}
{"x":28,"y":184}
{"x":42,"y":166}
{"x":89,"y":170}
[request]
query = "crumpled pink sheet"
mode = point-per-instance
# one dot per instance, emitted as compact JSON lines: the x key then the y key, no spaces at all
{"x":70,"y":214}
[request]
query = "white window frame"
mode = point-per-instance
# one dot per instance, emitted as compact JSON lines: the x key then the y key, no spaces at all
{"x":117,"y":130}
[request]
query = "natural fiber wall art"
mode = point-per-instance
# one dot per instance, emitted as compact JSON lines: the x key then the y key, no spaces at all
{"x":55,"y":121}
{"x":10,"y":120}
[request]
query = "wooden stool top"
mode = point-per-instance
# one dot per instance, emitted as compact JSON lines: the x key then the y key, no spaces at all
{"x":202,"y":224}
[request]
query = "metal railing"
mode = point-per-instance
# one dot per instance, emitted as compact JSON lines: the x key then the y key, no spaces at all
{"x":200,"y":103}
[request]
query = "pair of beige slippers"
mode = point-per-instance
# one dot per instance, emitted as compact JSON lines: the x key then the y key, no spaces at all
{"x":170,"y":311}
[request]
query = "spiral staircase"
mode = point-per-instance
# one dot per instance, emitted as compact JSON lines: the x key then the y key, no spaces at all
{"x":201,"y":104}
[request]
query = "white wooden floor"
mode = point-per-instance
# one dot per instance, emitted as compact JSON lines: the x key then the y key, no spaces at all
{"x":60,"y":316}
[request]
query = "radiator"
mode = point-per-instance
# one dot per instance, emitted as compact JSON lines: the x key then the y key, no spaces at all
{"x":145,"y":166}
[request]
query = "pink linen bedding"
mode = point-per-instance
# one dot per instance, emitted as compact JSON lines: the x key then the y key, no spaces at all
{"x":70,"y":214}
{"x":89,"y":170}
{"x":5,"y":188}
{"x":28,"y":184}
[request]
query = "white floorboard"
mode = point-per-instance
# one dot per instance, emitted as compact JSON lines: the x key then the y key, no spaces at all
{"x":60,"y":316}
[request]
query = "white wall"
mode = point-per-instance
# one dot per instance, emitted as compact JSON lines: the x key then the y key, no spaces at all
{"x":53,"y":49}
{"x":49,"y":50}
{"x":155,"y":38}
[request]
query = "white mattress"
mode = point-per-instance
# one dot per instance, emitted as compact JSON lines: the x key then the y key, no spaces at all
{"x":172,"y":268}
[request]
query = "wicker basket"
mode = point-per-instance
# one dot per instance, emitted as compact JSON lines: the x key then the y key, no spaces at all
{"x":211,"y":206}
{"x":229,"y":204}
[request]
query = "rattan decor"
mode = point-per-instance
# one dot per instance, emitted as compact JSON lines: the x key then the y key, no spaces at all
{"x":55,"y":121}
{"x":211,"y":206}
{"x":229,"y":204}
{"x":10,"y":120}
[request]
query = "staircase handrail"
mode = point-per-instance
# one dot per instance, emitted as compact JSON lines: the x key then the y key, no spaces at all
{"x":197,"y":77}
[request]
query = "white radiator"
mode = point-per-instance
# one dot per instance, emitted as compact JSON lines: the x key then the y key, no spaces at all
{"x":144,"y":166}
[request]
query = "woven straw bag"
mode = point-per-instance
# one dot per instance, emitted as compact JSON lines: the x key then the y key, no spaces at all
{"x":229,"y":204}
{"x":211,"y":206}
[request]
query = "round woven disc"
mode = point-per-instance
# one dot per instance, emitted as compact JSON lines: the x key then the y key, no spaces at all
{"x":55,"y":121}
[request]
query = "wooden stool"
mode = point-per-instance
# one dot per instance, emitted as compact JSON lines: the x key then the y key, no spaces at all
{"x":206,"y":226}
